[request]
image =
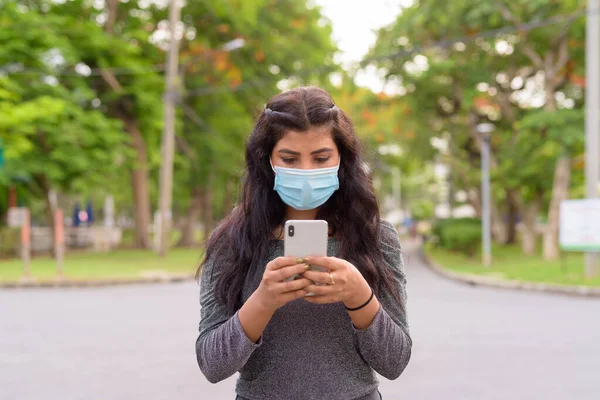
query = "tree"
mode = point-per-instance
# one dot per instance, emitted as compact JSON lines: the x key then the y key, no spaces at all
{"x":48,"y":122}
{"x":117,"y":42}
{"x":458,"y":85}
{"x":386,"y":128}
{"x":99,"y":66}
{"x":283,"y":44}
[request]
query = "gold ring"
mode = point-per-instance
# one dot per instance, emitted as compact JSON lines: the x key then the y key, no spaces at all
{"x":331,"y":277}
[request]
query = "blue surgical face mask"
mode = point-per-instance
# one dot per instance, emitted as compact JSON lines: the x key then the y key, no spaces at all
{"x":306,"y":189}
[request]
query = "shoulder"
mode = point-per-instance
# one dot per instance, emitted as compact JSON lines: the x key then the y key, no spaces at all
{"x":391,"y":250}
{"x":388,"y":236}
{"x":216,"y":247}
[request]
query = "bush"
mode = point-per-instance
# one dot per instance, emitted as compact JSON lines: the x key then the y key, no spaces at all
{"x":10,"y":242}
{"x":424,"y":210}
{"x":458,"y":234}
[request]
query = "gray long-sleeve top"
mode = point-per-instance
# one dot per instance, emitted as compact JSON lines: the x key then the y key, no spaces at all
{"x":307,"y":351}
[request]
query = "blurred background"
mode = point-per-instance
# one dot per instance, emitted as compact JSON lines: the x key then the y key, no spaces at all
{"x":122,"y":132}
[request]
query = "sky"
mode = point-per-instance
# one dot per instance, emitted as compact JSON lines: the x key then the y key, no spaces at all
{"x":354,"y":24}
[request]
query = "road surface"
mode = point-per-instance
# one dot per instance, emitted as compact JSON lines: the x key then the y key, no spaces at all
{"x":137,"y":342}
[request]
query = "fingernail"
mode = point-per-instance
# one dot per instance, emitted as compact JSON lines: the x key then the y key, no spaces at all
{"x":301,"y":260}
{"x":307,"y":266}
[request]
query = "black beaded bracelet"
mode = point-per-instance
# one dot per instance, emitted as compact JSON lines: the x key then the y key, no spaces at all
{"x":364,"y":305}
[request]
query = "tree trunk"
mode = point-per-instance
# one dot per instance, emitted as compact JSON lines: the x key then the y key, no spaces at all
{"x":50,"y":210}
{"x":561,"y":183}
{"x":499,"y":228}
{"x":43,"y":184}
{"x":188,"y":230}
{"x":529,"y":232}
{"x":474,"y":198}
{"x":513,"y":215}
{"x":139,"y":183}
{"x":560,"y":192}
{"x":139,"y":174}
{"x":12,"y":196}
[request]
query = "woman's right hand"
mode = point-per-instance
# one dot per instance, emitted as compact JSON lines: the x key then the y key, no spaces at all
{"x":275,"y":290}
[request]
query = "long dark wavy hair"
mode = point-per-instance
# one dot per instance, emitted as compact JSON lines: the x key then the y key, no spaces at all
{"x":241,"y":241}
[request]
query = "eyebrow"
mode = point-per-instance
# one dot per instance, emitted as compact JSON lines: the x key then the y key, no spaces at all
{"x":295,"y":153}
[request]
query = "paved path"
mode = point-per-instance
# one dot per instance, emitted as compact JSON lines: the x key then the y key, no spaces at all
{"x":137,"y":342}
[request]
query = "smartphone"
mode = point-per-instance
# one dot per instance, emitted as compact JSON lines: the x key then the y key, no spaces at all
{"x":304,"y":238}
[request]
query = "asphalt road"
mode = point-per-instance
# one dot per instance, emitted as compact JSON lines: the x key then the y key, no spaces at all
{"x":137,"y":342}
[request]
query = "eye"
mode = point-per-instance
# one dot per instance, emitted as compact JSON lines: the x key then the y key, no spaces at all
{"x":288,"y":160}
{"x":321,"y":160}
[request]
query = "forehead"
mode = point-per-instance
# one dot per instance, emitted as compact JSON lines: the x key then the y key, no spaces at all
{"x":309,"y":140}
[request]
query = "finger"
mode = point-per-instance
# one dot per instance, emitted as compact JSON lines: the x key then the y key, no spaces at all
{"x":285,"y":273}
{"x":316,"y":276}
{"x":292,"y":286}
{"x":287,"y":297}
{"x":322,"y":290}
{"x":282,"y":262}
{"x":331,"y":263}
{"x":321,"y":299}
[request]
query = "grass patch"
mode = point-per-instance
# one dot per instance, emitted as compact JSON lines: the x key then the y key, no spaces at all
{"x":509,"y":263}
{"x":113,"y":265}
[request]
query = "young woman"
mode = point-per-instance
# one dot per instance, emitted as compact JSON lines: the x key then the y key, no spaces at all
{"x":303,"y":162}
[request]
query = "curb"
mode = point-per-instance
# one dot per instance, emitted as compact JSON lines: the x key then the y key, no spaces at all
{"x":477,"y":280}
{"x":72,"y":283}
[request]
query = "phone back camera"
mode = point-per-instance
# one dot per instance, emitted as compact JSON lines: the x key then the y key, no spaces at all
{"x":291,"y":230}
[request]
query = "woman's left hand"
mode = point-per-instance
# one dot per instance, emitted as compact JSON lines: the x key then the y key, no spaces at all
{"x":343,"y":283}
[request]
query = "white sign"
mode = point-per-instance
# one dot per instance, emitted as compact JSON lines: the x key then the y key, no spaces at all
{"x":580,"y":225}
{"x":16,"y":217}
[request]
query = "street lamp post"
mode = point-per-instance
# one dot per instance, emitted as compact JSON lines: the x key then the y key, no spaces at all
{"x":486,"y":221}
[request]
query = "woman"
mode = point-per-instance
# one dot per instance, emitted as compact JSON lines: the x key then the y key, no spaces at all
{"x":253,"y":320}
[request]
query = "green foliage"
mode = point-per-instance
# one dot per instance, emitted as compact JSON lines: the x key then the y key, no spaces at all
{"x":564,"y":127}
{"x":423,"y":210}
{"x":392,"y":139}
{"x":70,"y":130}
{"x":225,"y":89}
{"x":54,"y":138}
{"x":513,"y":80}
{"x":458,"y":234}
{"x":68,"y":125}
{"x":63,"y":142}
